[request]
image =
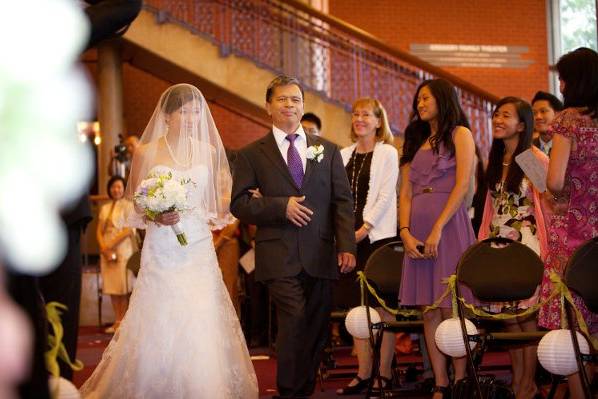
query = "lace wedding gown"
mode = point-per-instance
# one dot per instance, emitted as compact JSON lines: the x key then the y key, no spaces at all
{"x":181,"y":337}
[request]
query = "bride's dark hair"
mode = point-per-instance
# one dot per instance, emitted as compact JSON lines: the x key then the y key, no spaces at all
{"x":176,"y":97}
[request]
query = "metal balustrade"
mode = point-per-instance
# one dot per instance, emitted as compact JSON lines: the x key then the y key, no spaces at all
{"x":331,"y":58}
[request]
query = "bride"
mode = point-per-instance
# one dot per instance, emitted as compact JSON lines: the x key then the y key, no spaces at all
{"x":180,"y":337}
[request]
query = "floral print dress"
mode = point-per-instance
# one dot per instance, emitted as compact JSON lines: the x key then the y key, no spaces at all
{"x":578,"y":222}
{"x":514,"y":217}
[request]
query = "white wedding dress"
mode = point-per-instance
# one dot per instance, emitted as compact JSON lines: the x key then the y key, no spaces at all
{"x":181,"y":337}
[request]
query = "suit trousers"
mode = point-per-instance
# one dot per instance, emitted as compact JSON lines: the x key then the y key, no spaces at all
{"x":303,"y":305}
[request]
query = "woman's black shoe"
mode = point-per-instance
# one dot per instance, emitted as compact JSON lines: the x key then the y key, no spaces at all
{"x":386,"y":385}
{"x":362,"y":385}
{"x":445,"y":391}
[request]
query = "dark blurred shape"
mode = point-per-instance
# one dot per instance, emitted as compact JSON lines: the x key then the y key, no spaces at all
{"x":110,"y":18}
{"x":63,"y":285}
{"x":24,"y":290}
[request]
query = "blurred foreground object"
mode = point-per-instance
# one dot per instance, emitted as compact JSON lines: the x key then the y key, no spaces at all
{"x":110,"y":18}
{"x":15,"y":343}
{"x":43,"y":166}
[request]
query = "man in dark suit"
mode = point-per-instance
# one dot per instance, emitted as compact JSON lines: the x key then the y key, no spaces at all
{"x":545,"y":107}
{"x":294,"y":187}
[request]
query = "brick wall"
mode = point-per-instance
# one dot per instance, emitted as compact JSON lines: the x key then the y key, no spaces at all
{"x":511,"y":22}
{"x":142,"y":90}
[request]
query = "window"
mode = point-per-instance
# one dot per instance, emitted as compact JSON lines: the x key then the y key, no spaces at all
{"x":572,"y":24}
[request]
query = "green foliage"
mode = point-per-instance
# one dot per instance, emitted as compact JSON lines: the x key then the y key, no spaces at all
{"x":578,"y":24}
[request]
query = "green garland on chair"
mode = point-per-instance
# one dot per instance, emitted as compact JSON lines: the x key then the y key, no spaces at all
{"x":396,"y":312}
{"x":559,"y":289}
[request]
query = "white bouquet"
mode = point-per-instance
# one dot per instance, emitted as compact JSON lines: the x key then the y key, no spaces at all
{"x":159,"y":193}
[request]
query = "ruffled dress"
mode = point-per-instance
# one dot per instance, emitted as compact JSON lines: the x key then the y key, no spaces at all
{"x":432,"y":177}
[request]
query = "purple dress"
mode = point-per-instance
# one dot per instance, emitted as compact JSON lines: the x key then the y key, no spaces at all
{"x":432,"y":178}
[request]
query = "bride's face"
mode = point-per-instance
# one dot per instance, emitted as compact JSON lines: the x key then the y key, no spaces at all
{"x":184,"y":118}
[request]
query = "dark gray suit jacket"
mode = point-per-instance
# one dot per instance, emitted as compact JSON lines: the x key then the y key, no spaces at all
{"x":283,"y":249}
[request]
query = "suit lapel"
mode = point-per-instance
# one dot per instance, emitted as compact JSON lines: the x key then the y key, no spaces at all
{"x":311,"y":163}
{"x":270,"y":149}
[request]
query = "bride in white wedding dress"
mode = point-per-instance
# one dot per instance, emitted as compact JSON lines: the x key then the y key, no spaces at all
{"x":180,"y":337}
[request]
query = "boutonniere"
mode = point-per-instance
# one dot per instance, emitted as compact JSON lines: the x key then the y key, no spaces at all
{"x":315,"y":152}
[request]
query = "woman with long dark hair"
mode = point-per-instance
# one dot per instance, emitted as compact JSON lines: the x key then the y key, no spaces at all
{"x":436,"y":172}
{"x":513,"y":209}
{"x":573,"y":180}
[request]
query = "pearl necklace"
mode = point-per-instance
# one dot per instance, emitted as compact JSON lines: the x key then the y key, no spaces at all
{"x":185,"y":165}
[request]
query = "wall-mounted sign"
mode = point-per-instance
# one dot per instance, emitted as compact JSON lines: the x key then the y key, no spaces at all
{"x":472,"y":55}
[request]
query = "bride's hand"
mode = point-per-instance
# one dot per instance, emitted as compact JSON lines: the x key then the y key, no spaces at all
{"x":167,"y":218}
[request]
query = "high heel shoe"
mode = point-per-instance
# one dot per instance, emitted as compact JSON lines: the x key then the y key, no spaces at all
{"x":386,"y":386}
{"x":445,"y":391}
{"x":362,"y":384}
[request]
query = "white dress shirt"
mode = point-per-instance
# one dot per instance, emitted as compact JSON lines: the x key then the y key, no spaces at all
{"x":545,"y":146}
{"x":283,"y":144}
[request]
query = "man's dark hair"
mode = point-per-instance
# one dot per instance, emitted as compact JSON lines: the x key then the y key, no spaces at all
{"x":311,"y":117}
{"x":282,"y":80}
{"x":554,"y":102}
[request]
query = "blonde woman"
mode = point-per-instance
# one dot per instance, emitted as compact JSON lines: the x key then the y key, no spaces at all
{"x":372,"y":165}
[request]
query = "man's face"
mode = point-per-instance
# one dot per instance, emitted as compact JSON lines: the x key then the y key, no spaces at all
{"x":543,"y":115}
{"x":310,"y":127}
{"x":286,"y":107}
{"x":131,"y":142}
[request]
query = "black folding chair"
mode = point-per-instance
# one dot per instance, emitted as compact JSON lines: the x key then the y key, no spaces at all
{"x":581,"y":276}
{"x":496,"y":270}
{"x":383,"y":272}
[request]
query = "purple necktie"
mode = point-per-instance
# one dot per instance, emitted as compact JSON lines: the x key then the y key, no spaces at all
{"x":294,"y":160}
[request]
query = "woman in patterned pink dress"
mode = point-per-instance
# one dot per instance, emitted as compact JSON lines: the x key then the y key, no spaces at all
{"x":573,"y":178}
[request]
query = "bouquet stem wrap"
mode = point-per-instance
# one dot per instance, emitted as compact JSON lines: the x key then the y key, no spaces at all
{"x":180,"y":234}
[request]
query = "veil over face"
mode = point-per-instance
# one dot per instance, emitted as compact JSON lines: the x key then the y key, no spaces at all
{"x":181,"y":135}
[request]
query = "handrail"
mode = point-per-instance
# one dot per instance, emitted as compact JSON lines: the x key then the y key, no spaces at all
{"x":332,"y":58}
{"x":409,"y":58}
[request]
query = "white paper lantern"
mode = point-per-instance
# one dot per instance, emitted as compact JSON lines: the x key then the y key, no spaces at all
{"x":356,"y":321}
{"x":556,"y":353}
{"x":449,"y":338}
{"x":63,"y":388}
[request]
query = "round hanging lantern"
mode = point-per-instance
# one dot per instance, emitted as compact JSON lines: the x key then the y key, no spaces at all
{"x":556,"y":353}
{"x":449,"y":337}
{"x":356,"y":321}
{"x":63,"y":388}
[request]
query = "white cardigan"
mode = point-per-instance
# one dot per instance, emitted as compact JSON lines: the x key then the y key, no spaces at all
{"x":380,"y":208}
